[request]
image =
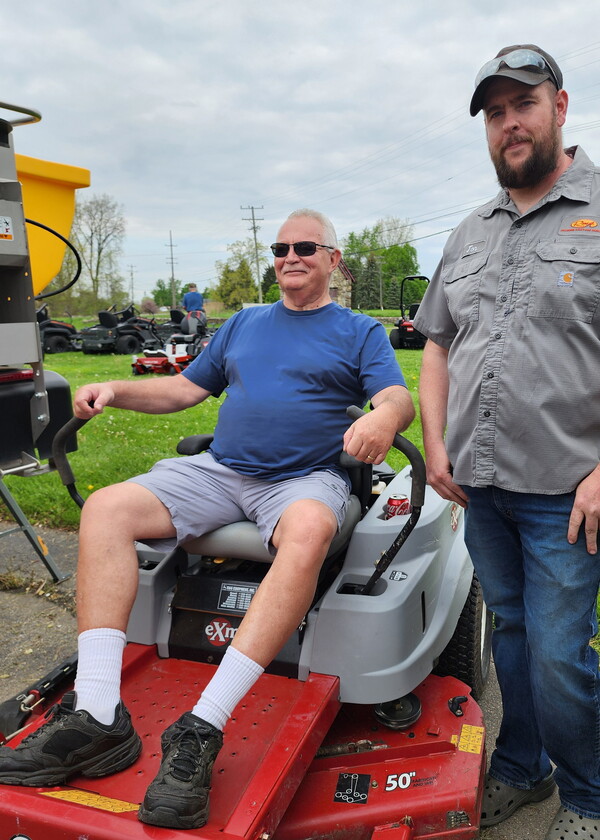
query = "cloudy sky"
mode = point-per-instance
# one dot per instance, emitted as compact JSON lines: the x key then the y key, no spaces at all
{"x":187,"y":111}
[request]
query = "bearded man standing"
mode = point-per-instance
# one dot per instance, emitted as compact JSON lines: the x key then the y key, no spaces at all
{"x":510,"y":399}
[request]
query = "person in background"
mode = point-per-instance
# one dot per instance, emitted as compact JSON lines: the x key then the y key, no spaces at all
{"x":193,"y":300}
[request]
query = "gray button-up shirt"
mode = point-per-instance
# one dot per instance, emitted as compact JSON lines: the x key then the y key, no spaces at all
{"x":515,"y":299}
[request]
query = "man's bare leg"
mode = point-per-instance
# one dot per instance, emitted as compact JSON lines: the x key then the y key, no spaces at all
{"x":302,"y":538}
{"x":107,"y":573}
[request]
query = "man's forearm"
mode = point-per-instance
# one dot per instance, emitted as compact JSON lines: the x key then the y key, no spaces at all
{"x":433,"y":394}
{"x":396,"y":405}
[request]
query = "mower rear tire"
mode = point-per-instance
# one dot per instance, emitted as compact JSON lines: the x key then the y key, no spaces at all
{"x":468,"y":653}
{"x":395,"y":339}
{"x":57,"y":344}
{"x":127,"y":345}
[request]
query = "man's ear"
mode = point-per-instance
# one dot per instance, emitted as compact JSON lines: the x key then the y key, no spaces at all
{"x":562,"y":104}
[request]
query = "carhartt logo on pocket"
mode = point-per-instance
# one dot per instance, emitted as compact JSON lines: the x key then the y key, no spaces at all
{"x":566,"y":279}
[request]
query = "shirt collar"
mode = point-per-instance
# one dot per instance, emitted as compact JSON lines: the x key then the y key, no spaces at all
{"x":574,"y":184}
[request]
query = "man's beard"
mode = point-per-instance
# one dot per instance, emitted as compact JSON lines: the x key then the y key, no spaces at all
{"x":542,"y":161}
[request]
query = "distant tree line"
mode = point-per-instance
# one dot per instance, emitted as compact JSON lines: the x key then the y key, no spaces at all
{"x":379,"y":257}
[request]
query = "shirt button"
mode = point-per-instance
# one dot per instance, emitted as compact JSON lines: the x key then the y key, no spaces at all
{"x":573,"y":251}
{"x":486,"y":413}
{"x":498,"y":335}
{"x":503,"y":298}
{"x":490,"y":375}
{"x":510,"y":261}
{"x":518,"y":224}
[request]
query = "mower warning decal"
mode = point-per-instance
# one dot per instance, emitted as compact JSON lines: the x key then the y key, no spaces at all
{"x":236,"y":597}
{"x":471,"y":739}
{"x":92,"y":800}
{"x":6,"y":228}
{"x":352,"y":788}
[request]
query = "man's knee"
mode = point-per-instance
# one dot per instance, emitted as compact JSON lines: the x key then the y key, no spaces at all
{"x":307,"y":523}
{"x":127,"y":507}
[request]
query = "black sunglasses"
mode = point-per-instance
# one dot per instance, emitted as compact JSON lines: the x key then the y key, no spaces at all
{"x":301,"y":249}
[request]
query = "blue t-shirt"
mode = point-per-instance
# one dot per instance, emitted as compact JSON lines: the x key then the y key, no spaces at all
{"x":289,"y":377}
{"x":192,"y":301}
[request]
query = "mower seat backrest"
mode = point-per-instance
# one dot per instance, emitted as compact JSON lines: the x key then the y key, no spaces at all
{"x":193,"y":323}
{"x":108,"y":319}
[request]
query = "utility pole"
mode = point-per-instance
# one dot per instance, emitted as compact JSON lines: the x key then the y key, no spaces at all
{"x":131,"y":268}
{"x":254,"y":227}
{"x":172,"y":261}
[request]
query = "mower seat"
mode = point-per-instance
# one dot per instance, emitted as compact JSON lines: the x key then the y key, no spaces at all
{"x":108,"y":319}
{"x":243,"y":540}
{"x":191,"y":326}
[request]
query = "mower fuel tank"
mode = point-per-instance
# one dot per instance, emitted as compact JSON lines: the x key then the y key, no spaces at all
{"x":383,"y":644}
{"x":17,"y":391}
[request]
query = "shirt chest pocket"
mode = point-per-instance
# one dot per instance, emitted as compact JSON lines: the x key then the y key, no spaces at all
{"x":461,"y":287}
{"x":565,"y":282}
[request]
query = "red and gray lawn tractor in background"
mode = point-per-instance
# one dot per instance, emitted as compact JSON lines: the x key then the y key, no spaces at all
{"x":404,"y":334}
{"x":365,"y":727}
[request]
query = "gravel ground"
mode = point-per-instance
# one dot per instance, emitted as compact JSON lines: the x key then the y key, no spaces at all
{"x":38,"y":630}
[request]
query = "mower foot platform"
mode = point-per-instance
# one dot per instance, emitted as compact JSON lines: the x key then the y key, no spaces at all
{"x":295,"y":764}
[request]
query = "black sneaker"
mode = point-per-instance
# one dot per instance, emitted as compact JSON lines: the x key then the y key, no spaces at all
{"x":70,"y":743}
{"x":178,"y":796}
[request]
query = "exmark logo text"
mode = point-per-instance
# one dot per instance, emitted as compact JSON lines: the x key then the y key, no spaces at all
{"x":220,"y":632}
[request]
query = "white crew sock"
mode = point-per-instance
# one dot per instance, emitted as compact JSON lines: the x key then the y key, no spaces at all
{"x":235,"y":676}
{"x":98,"y":680}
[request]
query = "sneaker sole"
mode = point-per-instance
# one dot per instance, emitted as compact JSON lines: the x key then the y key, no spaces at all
{"x":168,"y":818}
{"x":113,"y":761}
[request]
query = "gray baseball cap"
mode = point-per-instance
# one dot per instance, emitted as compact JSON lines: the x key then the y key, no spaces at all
{"x":525,"y":63}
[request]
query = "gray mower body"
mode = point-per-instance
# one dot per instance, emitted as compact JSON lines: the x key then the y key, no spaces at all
{"x":380,"y":645}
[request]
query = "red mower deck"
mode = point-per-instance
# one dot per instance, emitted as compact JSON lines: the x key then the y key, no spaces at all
{"x":366,"y":781}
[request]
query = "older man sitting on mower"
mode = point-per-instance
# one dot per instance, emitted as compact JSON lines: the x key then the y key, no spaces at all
{"x":289,"y":370}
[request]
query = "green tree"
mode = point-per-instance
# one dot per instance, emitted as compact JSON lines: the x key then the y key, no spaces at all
{"x":273,"y":294}
{"x":370,"y":284}
{"x":236,"y":285}
{"x":98,"y":232}
{"x":268,"y":280}
{"x":388,"y":241}
{"x":161,"y":293}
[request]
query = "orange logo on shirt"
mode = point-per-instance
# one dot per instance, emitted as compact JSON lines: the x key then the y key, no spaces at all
{"x":582,"y":226}
{"x":584,"y":223}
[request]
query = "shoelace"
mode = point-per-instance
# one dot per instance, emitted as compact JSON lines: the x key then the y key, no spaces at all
{"x":189,"y":752}
{"x":55,"y":714}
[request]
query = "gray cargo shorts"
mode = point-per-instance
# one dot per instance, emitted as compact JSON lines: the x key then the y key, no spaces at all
{"x":202,"y":495}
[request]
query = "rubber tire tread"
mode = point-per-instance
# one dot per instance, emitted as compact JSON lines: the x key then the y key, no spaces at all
{"x":463,"y":656}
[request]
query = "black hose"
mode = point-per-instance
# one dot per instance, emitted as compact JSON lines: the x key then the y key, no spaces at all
{"x":73,"y":249}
